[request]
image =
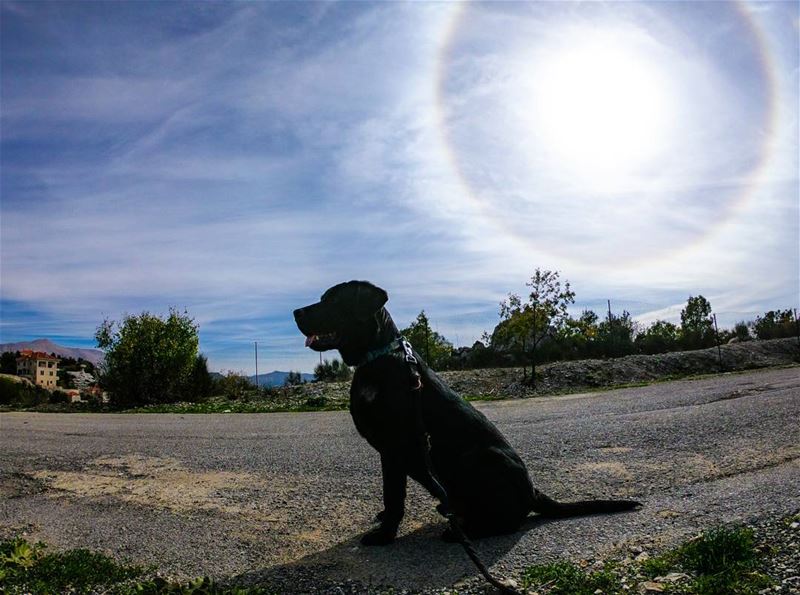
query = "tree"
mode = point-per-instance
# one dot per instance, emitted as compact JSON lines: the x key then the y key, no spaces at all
{"x":741,"y":331}
{"x":431,"y":345}
{"x":8,"y":362}
{"x":515,"y":329}
{"x":200,"y":382}
{"x":615,"y":335}
{"x":659,"y":337}
{"x":545,"y":312}
{"x":578,"y":336}
{"x":232,"y":385}
{"x":774,"y":325}
{"x":293,"y":379}
{"x":334,"y":371}
{"x":148,"y":359}
{"x":697,"y":328}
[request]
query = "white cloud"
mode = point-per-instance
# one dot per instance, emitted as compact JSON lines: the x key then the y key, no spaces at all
{"x":241,"y":170}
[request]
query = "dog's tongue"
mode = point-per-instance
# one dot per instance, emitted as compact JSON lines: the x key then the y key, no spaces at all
{"x":310,"y":339}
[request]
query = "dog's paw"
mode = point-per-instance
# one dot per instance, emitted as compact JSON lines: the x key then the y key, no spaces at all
{"x":378,"y":536}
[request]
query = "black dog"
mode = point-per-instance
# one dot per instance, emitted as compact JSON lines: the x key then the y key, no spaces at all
{"x":486,"y":482}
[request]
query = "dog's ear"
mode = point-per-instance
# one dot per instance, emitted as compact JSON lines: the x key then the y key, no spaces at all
{"x":369,"y":299}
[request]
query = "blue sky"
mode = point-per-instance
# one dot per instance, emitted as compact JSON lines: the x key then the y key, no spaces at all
{"x":236,"y":159}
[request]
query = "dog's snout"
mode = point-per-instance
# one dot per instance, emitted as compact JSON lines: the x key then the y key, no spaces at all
{"x":299,"y":313}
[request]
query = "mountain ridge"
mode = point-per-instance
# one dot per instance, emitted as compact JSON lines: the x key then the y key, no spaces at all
{"x":47,"y":346}
{"x":276,"y":378}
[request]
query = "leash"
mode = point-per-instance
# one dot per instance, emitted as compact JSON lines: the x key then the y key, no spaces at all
{"x":438,"y":489}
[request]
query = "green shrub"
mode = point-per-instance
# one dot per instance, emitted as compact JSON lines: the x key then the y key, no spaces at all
{"x":21,"y":394}
{"x":59,"y":396}
{"x":26,"y":568}
{"x":148,"y":359}
{"x":333,"y":371}
{"x":775,"y":324}
{"x":565,"y":578}
{"x":293,"y":379}
{"x":233,"y":385}
{"x":718,"y":550}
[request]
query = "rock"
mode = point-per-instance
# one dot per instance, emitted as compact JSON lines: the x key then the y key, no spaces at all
{"x":650,"y":587}
{"x":674,"y":577}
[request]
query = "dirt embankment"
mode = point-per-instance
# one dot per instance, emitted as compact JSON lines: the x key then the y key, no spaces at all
{"x":589,"y":374}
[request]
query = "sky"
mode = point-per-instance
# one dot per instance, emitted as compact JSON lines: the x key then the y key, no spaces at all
{"x":237,"y":159}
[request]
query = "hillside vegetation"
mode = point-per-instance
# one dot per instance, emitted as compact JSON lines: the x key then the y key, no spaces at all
{"x":504,"y":383}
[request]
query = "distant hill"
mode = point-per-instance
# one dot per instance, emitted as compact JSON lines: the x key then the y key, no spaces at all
{"x":277,"y":378}
{"x":47,"y":346}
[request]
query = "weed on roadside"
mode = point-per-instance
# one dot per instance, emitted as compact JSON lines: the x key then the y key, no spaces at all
{"x":566,"y":578}
{"x":722,"y":561}
{"x":27,"y":568}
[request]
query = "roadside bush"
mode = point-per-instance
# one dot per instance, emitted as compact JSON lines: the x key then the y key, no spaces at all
{"x":775,"y":324}
{"x":59,"y":396}
{"x":334,"y":371}
{"x":148,"y":359}
{"x":200,"y":383}
{"x":293,"y":379}
{"x":233,"y":385}
{"x":615,"y":335}
{"x":21,"y":394}
{"x":659,"y":337}
{"x":429,"y":344}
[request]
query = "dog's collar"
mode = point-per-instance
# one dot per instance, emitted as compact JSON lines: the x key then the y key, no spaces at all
{"x":400,"y":345}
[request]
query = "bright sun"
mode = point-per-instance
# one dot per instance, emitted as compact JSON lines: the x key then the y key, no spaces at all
{"x":600,"y":107}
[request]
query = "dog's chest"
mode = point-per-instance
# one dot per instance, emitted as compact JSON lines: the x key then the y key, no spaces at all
{"x":372,"y":414}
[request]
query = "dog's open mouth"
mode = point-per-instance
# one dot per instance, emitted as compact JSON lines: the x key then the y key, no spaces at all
{"x":322,"y":342}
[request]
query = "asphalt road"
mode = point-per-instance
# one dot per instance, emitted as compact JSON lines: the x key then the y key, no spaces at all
{"x":283,"y":497}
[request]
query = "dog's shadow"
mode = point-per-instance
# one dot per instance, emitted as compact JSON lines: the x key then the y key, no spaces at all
{"x":416,"y":560}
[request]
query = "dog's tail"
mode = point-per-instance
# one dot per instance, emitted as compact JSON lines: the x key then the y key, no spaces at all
{"x":547,"y":507}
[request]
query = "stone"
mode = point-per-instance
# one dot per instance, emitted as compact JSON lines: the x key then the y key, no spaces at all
{"x":674,"y":577}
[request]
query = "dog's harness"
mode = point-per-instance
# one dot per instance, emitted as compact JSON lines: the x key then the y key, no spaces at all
{"x":401,"y":347}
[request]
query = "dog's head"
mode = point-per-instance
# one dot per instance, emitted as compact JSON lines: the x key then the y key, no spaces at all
{"x":346,"y":318}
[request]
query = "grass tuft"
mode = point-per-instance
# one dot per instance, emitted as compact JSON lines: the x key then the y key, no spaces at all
{"x":565,"y":578}
{"x":718,"y":550}
{"x":27,"y":568}
{"x":723,"y":561}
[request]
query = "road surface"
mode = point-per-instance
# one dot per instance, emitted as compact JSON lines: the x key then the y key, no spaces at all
{"x":282,"y":498}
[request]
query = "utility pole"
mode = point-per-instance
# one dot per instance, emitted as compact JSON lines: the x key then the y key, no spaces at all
{"x":716,"y":336}
{"x":256,"y":344}
{"x":796,"y":326}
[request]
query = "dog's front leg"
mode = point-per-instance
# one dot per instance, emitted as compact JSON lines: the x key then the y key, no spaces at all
{"x":394,"y":498}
